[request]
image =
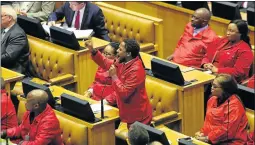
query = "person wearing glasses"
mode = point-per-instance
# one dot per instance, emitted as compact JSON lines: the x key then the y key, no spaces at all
{"x":231,"y":54}
{"x":192,"y":45}
{"x":101,"y":88}
{"x":14,"y":43}
{"x":225,"y":121}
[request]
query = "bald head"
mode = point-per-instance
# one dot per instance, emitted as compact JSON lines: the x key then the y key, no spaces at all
{"x":2,"y":83}
{"x":204,"y":13}
{"x":200,"y":18}
{"x":38,"y":96}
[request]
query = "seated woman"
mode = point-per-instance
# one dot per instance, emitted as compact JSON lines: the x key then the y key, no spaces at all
{"x":101,"y":87}
{"x":231,"y":54}
{"x":250,"y":82}
{"x":225,"y":120}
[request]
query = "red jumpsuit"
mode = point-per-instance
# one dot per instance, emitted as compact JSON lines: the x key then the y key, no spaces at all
{"x":129,"y":89}
{"x":227,"y":121}
{"x":102,"y":86}
{"x":44,"y":130}
{"x":190,"y":49}
{"x":8,"y":113}
{"x":234,"y":60}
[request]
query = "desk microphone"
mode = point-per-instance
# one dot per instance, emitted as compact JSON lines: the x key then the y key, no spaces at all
{"x":228,"y":121}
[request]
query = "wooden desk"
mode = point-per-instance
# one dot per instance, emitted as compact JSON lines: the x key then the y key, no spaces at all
{"x":190,"y":97}
{"x":10,"y":77}
{"x":173,"y":136}
{"x":100,"y":133}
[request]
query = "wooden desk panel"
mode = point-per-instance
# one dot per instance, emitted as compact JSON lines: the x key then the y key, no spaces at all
{"x":173,"y":136}
{"x":190,"y":97}
{"x":100,"y":133}
{"x":10,"y":77}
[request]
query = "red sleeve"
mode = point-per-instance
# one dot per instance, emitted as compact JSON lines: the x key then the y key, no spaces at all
{"x":16,"y":131}
{"x":236,"y":115}
{"x":47,"y":131}
{"x":125,"y":89}
{"x":243,"y":62}
{"x":111,"y":99}
{"x":210,"y":51}
{"x":102,"y":61}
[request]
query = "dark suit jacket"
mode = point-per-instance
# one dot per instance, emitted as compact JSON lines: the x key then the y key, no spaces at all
{"x":93,"y":18}
{"x":15,"y":50}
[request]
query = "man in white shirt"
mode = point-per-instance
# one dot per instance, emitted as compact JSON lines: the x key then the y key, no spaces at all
{"x":82,"y":16}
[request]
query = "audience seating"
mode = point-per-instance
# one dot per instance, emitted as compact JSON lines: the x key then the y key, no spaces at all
{"x":123,"y":23}
{"x":52,"y":64}
{"x":164,"y":101}
{"x":73,"y":132}
{"x":250,"y":116}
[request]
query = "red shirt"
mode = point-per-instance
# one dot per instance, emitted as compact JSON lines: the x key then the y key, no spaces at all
{"x":129,"y":88}
{"x":190,"y":49}
{"x":102,"y":86}
{"x":228,"y":117}
{"x":234,"y":60}
{"x":44,"y":130}
{"x":8,"y":113}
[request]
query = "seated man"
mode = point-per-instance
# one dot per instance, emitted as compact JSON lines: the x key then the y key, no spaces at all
{"x":193,"y":43}
{"x":8,"y":113}
{"x":36,"y":9}
{"x":138,"y":135}
{"x":14,"y":43}
{"x":82,"y":16}
{"x":40,"y":125}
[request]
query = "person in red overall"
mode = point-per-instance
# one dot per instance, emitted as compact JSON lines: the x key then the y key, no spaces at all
{"x":192,"y":45}
{"x":231,"y":54}
{"x":128,"y":81}
{"x":40,"y":125}
{"x":226,"y":121}
{"x":101,"y":88}
{"x":8,"y":113}
{"x":250,"y":83}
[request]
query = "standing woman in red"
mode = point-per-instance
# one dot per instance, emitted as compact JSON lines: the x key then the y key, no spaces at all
{"x":225,"y":121}
{"x":231,"y":54}
{"x":101,"y":88}
{"x":128,"y":81}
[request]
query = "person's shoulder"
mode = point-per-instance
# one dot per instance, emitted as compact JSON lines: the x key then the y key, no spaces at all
{"x":17,"y":30}
{"x":92,"y":6}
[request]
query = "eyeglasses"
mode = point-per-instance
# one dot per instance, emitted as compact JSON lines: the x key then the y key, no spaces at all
{"x":106,"y":53}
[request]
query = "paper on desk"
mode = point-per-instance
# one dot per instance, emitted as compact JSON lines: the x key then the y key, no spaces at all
{"x":79,"y":34}
{"x":96,"y":108}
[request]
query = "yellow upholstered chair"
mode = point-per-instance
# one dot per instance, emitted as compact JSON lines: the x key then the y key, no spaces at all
{"x":73,"y":132}
{"x":164,"y":101}
{"x":123,"y":23}
{"x":250,"y":116}
{"x":52,"y":64}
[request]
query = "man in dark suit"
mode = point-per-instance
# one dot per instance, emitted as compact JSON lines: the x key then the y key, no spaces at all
{"x":82,"y":15}
{"x":14,"y":43}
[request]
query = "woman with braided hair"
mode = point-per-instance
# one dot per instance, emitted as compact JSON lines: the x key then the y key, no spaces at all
{"x":231,"y":54}
{"x":128,"y":81}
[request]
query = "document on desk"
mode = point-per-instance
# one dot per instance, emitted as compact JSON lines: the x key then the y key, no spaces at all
{"x":79,"y":34}
{"x":96,"y":108}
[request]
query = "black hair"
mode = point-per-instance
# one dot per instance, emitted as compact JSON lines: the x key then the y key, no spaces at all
{"x":138,"y":135}
{"x":115,"y":46}
{"x":132,"y":46}
{"x":243,"y":30}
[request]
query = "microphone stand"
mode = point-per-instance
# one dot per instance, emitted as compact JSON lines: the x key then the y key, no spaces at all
{"x":228,"y":121}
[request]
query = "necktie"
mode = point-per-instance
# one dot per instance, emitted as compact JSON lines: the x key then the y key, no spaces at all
{"x":3,"y":32}
{"x":77,"y":20}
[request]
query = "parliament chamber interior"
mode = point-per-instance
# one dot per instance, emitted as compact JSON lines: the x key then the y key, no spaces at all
{"x":127,"y":73}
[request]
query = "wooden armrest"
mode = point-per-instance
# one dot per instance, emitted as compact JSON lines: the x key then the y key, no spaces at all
{"x":60,"y":79}
{"x":160,"y":119}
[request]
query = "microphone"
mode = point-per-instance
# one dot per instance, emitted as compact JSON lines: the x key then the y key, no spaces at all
{"x":102,"y":100}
